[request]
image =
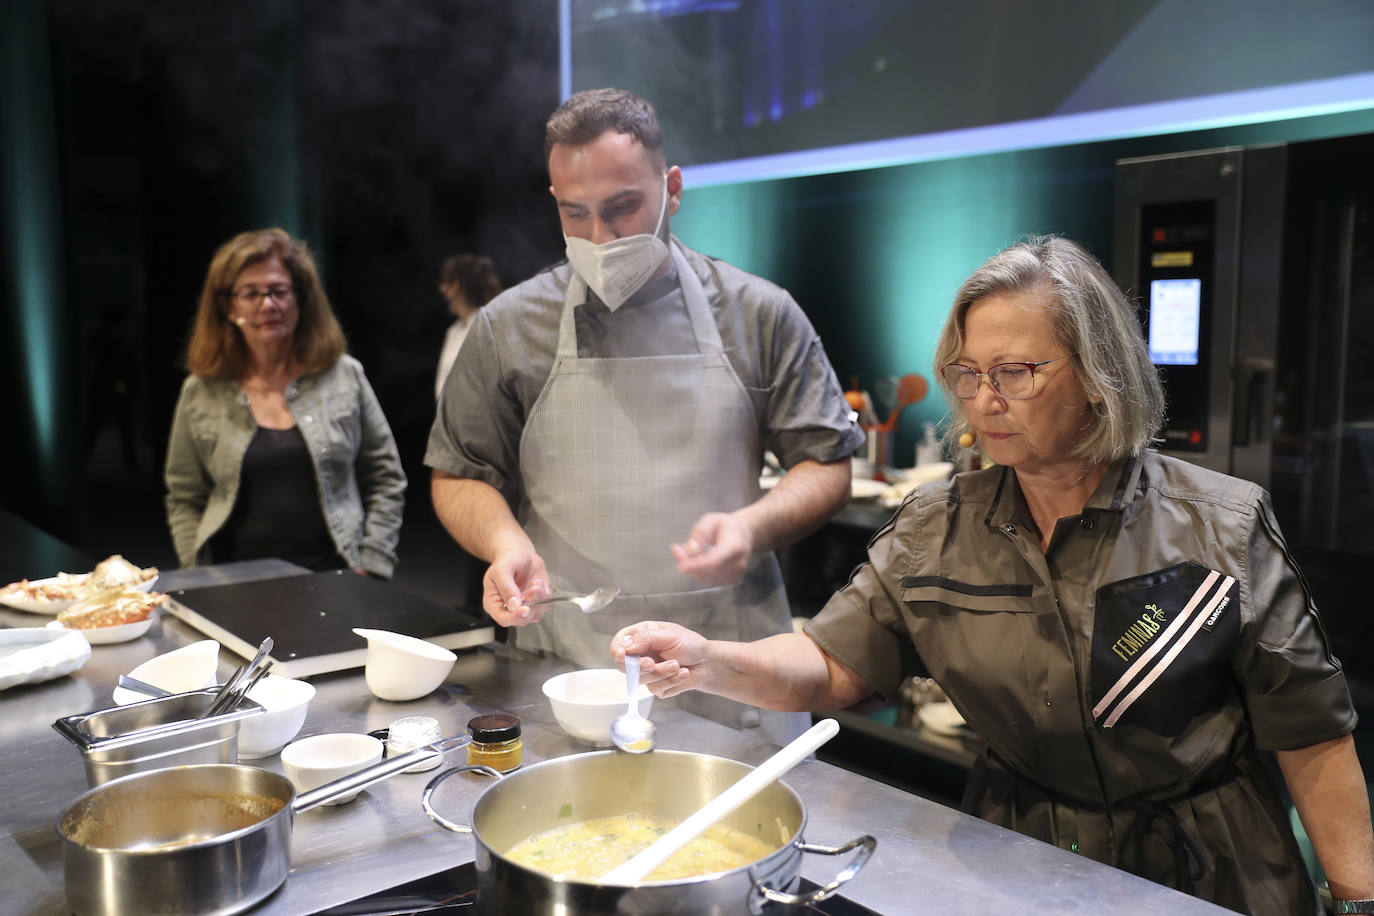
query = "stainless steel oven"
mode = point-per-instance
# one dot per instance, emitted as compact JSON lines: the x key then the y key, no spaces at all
{"x":1254,"y":268}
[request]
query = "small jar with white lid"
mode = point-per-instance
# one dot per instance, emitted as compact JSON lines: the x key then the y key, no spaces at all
{"x":411,"y":732}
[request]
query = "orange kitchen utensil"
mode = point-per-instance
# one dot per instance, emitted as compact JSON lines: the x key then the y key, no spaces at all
{"x":910,"y":390}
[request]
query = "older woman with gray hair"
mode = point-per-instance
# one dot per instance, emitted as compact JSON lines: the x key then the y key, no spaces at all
{"x":1125,"y":630}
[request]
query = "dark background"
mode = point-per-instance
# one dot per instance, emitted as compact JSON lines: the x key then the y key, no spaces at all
{"x":387,"y":134}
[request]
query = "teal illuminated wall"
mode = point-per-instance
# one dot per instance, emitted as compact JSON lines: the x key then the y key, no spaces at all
{"x":37,"y":340}
{"x":874,"y":257}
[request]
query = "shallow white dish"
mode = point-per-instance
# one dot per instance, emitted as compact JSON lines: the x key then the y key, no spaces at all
{"x":188,"y":668}
{"x":145,"y":586}
{"x":53,"y":608}
{"x":942,"y":718}
{"x":286,"y":701}
{"x":103,"y":636}
{"x":586,"y":702}
{"x":38,"y":606}
{"x":863,"y":488}
{"x":33,"y":654}
{"x":401,"y":667}
{"x":311,"y":762}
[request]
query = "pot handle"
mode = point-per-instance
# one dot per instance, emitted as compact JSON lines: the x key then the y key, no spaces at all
{"x":865,"y":844}
{"x":434,"y":784}
{"x":377,"y":772}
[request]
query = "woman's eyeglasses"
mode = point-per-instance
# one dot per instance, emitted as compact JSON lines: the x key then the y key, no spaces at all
{"x":1013,"y":381}
{"x":251,"y":296}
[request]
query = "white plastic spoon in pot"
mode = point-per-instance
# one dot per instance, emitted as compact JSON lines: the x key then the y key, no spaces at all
{"x":632,"y":732}
{"x":754,"y":782}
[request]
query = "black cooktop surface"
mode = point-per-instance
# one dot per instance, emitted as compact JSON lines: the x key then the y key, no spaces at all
{"x":455,"y":891}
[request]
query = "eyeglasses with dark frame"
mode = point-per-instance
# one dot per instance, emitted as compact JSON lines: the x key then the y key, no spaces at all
{"x":251,"y":296}
{"x":1012,"y":381}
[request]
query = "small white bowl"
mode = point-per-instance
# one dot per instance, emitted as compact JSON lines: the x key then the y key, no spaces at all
{"x":188,"y":668}
{"x":402,"y":667}
{"x":286,"y":701}
{"x":311,"y":762}
{"x":586,"y":702}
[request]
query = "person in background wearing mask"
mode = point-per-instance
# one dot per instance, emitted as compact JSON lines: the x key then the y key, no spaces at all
{"x":614,"y":413}
{"x":467,"y":282}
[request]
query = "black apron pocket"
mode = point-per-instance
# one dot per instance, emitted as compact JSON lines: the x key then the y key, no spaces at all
{"x":1162,"y":647}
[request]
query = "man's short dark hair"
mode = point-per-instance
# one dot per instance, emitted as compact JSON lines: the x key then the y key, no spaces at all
{"x":589,"y":114}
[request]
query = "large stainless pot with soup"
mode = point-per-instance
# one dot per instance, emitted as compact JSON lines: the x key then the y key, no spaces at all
{"x":581,"y":815}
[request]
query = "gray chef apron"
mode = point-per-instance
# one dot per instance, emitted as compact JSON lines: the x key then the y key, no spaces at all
{"x":619,"y":458}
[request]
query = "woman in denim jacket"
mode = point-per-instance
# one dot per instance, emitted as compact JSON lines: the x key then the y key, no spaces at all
{"x":279,"y":447}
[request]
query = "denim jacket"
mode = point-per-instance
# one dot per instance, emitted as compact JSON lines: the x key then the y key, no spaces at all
{"x":361,"y":484}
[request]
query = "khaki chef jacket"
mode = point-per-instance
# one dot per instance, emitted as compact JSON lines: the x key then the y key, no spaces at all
{"x":1124,"y":678}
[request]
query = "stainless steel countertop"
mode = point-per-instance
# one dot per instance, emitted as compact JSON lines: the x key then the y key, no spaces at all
{"x":953,"y":862}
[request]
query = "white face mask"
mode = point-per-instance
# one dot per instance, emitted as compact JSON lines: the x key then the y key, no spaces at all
{"x":617,"y":269}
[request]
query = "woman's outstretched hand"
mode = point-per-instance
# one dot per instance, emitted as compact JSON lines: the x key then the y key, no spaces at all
{"x":674,"y":658}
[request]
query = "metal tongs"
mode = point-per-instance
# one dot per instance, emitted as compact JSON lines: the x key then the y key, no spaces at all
{"x":240,"y":682}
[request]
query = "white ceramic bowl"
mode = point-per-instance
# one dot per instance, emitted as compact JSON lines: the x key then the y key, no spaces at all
{"x":188,"y":668}
{"x":586,"y":702}
{"x":402,"y":667}
{"x":311,"y":762}
{"x":286,"y":702}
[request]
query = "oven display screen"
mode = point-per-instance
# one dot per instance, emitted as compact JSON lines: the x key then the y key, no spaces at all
{"x":1175,"y":321}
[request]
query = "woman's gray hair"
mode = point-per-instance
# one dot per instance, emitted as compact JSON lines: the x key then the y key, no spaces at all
{"x":1098,"y":327}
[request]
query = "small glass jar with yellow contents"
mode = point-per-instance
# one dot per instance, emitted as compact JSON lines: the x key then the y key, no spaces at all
{"x":495,"y":742}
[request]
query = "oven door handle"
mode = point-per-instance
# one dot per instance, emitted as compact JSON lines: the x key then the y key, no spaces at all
{"x":1252,"y":377}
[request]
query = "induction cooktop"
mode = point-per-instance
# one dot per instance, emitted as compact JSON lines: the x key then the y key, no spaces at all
{"x":455,"y":891}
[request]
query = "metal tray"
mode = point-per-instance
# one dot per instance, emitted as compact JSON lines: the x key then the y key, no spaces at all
{"x":155,"y":733}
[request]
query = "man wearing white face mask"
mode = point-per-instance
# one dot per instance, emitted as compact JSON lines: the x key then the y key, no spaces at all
{"x":614,"y":411}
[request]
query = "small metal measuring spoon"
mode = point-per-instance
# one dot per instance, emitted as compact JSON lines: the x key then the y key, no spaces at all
{"x":588,"y":603}
{"x":632,"y":732}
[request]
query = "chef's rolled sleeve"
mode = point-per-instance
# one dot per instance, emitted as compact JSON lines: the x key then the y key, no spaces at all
{"x":1295,"y":689}
{"x":808,"y":417}
{"x":862,"y":626}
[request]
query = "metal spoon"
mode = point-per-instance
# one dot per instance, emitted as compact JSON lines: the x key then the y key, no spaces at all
{"x":227,"y":694}
{"x":588,"y":603}
{"x":632,"y":732}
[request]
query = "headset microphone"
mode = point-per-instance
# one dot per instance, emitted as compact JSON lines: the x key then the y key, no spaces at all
{"x":967,"y":440}
{"x":240,"y":320}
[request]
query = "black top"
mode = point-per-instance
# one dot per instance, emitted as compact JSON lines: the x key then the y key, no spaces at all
{"x":493,"y":728}
{"x":278,"y":512}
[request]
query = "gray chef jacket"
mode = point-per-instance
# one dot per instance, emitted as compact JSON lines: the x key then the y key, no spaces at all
{"x":509,"y":351}
{"x":1124,"y":678}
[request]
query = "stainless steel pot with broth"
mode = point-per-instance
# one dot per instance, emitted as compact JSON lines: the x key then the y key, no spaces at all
{"x":667,"y":785}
